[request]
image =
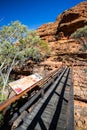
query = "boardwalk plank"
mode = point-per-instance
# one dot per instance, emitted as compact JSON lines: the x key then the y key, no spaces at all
{"x":51,"y":111}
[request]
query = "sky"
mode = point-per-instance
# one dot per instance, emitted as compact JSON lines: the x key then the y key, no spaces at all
{"x":33,"y":13}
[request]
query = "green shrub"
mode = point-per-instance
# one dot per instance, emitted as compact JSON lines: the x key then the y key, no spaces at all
{"x":33,"y":47}
{"x":81,"y":32}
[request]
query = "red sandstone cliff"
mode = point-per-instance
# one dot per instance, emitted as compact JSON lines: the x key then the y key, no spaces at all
{"x":67,"y":22}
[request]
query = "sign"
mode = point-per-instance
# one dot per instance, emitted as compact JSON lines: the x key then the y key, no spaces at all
{"x":22,"y":84}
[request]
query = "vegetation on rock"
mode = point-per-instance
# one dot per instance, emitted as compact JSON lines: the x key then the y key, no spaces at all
{"x":81,"y":36}
{"x":81,"y":32}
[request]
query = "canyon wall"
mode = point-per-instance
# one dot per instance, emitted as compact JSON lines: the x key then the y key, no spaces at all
{"x":67,"y":22}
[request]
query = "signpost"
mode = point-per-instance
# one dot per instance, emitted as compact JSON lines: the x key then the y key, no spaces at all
{"x":20,"y":85}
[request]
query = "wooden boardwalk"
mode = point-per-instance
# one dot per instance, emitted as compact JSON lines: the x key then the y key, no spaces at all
{"x":54,"y":111}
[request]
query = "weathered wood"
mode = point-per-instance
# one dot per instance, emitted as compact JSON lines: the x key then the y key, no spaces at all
{"x":70,"y":112}
{"x":16,"y":97}
{"x":29,"y":103}
{"x":49,"y":102}
{"x":54,"y":110}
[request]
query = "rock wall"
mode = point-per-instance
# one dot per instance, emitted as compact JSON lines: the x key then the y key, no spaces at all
{"x":65,"y":46}
{"x":48,"y":31}
{"x":67,"y":22}
{"x":80,"y":96}
{"x":73,"y":19}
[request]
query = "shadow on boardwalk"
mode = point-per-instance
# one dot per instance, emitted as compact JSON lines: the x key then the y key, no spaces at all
{"x":54,"y":121}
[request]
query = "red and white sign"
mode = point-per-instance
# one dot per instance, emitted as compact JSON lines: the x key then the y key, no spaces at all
{"x":22,"y":84}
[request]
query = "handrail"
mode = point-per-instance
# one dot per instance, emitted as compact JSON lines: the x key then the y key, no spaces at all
{"x":16,"y":97}
{"x":40,"y":93}
{"x":70,"y":112}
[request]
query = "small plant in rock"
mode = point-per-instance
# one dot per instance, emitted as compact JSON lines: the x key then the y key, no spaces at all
{"x":81,"y":32}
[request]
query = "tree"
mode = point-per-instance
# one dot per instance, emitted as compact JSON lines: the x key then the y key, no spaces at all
{"x":10,"y":55}
{"x":17,"y":44}
{"x":13,"y":32}
{"x":34,"y":47}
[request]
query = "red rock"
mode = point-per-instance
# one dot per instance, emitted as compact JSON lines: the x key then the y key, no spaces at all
{"x":67,"y":22}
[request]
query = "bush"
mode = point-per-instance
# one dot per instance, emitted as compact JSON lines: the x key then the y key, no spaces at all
{"x":81,"y":32}
{"x":33,"y":47}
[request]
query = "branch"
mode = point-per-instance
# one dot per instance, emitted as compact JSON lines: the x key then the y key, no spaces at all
{"x":11,"y":67}
{"x":1,"y":68}
{"x":11,"y":34}
{"x":2,"y":64}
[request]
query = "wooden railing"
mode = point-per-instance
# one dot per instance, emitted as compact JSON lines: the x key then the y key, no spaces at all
{"x":40,"y":83}
{"x":12,"y":112}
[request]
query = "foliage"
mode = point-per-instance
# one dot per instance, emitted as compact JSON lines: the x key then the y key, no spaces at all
{"x":81,"y":36}
{"x":9,"y":53}
{"x":81,"y":32}
{"x":33,"y":46}
{"x":8,"y":59}
{"x":13,"y":32}
{"x":27,"y":46}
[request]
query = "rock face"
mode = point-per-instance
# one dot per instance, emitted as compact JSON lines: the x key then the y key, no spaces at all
{"x":22,"y":70}
{"x":73,"y":19}
{"x":48,"y":31}
{"x":80,"y":96}
{"x":67,"y":22}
